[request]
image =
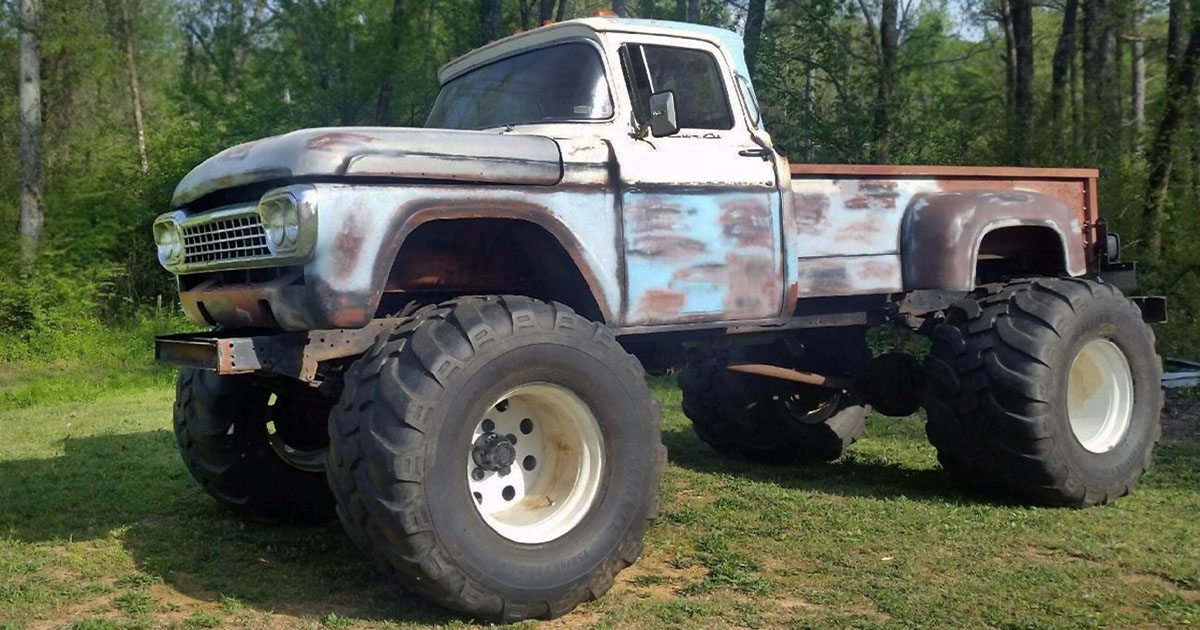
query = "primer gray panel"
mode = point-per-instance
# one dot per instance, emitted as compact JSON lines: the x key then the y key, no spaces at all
{"x":429,"y":154}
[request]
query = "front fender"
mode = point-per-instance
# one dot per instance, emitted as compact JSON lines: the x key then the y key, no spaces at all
{"x":362,"y":228}
{"x":941,"y":233}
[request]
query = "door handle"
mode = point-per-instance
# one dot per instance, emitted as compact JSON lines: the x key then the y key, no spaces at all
{"x":758,"y":152}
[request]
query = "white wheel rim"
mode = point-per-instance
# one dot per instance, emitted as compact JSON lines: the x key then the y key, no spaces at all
{"x":1100,"y":396}
{"x":553,"y":479}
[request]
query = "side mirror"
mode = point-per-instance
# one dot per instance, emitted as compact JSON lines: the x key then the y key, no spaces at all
{"x":662,"y":114}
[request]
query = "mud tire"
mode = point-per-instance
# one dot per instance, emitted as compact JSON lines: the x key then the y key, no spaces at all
{"x":755,"y":417}
{"x":996,"y":391}
{"x":396,"y":463}
{"x":221,"y":431}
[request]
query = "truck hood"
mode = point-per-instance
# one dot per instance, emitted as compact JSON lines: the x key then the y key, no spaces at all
{"x":391,"y":152}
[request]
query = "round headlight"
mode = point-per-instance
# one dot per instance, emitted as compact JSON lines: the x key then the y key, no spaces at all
{"x":290,"y":213}
{"x":169,"y":238}
{"x":281,"y":219}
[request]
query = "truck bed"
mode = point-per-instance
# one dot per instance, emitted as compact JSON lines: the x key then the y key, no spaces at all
{"x":847,"y":222}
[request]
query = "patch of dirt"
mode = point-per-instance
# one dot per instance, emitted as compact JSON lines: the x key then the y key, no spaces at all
{"x":654,"y":577}
{"x":574,"y":620}
{"x":1181,"y":415}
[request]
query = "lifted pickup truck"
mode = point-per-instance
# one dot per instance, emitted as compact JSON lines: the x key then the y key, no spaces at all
{"x":441,"y":332}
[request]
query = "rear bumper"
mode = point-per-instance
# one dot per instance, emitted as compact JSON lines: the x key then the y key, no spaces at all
{"x":1154,"y":308}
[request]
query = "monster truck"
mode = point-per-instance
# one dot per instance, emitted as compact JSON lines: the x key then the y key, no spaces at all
{"x":442,"y":333}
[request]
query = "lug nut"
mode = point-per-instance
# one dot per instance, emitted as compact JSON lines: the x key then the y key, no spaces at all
{"x":477,"y":474}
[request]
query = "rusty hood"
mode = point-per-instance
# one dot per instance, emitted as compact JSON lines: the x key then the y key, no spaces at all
{"x":391,"y":152}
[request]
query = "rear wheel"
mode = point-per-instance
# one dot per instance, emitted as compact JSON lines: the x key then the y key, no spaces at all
{"x":500,"y":456}
{"x":1045,"y":390}
{"x":768,"y":419}
{"x":256,"y":445}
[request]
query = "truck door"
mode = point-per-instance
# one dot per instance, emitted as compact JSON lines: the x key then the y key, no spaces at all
{"x":700,"y":208}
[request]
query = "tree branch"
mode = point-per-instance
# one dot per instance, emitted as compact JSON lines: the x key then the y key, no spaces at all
{"x":191,"y":28}
{"x":874,"y":31}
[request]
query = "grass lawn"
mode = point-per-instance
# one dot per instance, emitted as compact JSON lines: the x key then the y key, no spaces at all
{"x":101,"y":527}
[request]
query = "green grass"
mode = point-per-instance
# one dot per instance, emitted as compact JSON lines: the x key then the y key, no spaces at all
{"x":101,"y":527}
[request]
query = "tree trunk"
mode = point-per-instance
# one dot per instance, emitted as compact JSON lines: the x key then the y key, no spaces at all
{"x":1138,"y":91}
{"x":383,"y":108}
{"x":1022,"y":20}
{"x":618,"y":7}
{"x":1076,"y":108}
{"x":490,"y":13}
{"x":1114,"y":93}
{"x":135,"y":86}
{"x":545,"y":11}
{"x":889,"y":39}
{"x":693,"y":11}
{"x":1064,"y":57}
{"x":1177,"y":20}
{"x":1178,"y":95}
{"x":525,"y":7}
{"x":1010,"y":54}
{"x":755,"y":14}
{"x":31,"y":128}
{"x":1093,"y":65}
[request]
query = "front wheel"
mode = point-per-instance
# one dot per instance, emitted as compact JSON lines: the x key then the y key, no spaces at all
{"x":1045,"y":390}
{"x":500,"y":456}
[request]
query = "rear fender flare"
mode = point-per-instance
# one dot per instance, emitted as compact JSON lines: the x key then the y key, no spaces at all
{"x":941,"y":233}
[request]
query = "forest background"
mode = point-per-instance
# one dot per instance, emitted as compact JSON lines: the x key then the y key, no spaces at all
{"x":110,"y":102}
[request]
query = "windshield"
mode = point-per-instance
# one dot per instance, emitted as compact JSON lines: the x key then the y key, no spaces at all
{"x":555,"y":84}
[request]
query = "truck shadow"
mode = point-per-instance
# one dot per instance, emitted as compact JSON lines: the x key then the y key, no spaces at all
{"x":132,"y":488}
{"x":857,"y":476}
{"x":848,"y":476}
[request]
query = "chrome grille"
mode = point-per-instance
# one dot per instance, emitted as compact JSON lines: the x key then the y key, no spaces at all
{"x":234,"y":238}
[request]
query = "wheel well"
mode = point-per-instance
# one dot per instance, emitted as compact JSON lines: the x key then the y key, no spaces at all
{"x":448,"y":257}
{"x":1017,"y":251}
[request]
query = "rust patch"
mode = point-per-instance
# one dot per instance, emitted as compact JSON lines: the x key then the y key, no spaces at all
{"x":656,"y":217}
{"x":335,"y":139}
{"x":711,"y":273}
{"x":236,"y":153}
{"x":824,"y":277}
{"x":747,"y":224}
{"x":870,"y":194}
{"x":810,"y":210}
{"x":347,"y":246}
{"x":668,"y":246}
{"x":862,"y":231}
{"x":753,"y":283}
{"x":878,"y":186}
{"x":661,"y":304}
{"x":876,"y":270}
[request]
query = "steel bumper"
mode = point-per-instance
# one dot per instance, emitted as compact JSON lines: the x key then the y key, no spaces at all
{"x":296,"y":355}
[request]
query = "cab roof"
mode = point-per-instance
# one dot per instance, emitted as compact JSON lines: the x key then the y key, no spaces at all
{"x":493,"y":51}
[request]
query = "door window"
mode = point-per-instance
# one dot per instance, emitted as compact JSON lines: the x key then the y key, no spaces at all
{"x":693,"y":75}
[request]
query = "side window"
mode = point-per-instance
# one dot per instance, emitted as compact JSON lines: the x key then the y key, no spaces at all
{"x":749,"y":100}
{"x":693,"y":75}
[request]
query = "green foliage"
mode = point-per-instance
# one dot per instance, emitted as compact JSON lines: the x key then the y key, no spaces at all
{"x":212,"y":76}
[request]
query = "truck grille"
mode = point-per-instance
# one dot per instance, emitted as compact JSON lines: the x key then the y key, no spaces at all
{"x":235,"y":238}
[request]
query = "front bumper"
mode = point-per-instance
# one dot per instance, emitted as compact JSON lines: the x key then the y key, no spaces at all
{"x":289,"y":298}
{"x":295,"y":355}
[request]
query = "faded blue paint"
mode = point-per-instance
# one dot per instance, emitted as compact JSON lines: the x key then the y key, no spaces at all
{"x":701,"y":255}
